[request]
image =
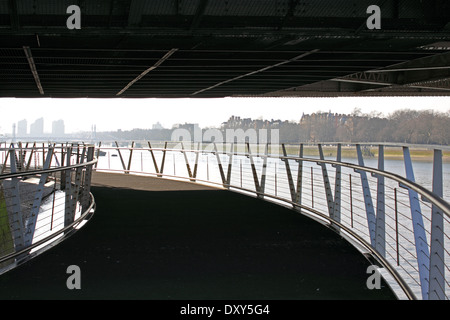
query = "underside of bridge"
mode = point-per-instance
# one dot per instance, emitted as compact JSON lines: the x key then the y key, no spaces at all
{"x":221,"y":48}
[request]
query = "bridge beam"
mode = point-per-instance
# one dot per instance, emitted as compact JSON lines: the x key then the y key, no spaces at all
{"x":33,"y":69}
{"x":156,"y":65}
{"x":301,"y":56}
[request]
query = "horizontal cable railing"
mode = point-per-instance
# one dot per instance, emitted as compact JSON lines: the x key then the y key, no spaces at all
{"x":402,"y":224}
{"x":44,"y":197}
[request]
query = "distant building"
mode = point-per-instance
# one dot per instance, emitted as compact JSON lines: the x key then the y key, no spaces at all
{"x":191,"y":131}
{"x":22,"y":128}
{"x":37,"y":128}
{"x":157,"y":126}
{"x":58,"y":128}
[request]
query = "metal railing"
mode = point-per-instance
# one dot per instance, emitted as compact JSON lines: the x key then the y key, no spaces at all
{"x":44,"y":197}
{"x":401,"y":224}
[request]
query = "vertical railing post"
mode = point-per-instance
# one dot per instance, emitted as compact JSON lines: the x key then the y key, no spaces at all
{"x":230,"y":164}
{"x":78,"y":182}
{"x":31,"y":156}
{"x":16,"y":219}
{"x":351,"y":198}
{"x":53,"y":204}
{"x":163,"y":161}
{"x":68,"y":217}
{"x":326,"y":181}
{"x":295,"y":191}
{"x":255,"y":175}
{"x":276,"y":180}
{"x":298,"y":193}
{"x":264,"y":169}
{"x":397,"y":244}
{"x":20,"y":157}
{"x":288,"y":173}
{"x":337,"y":188}
{"x":62,"y":182}
{"x":380,"y":235}
{"x":437,"y":266}
{"x":98,"y":152}
{"x":312,"y":187}
{"x":174,"y":165}
{"x":370,"y":213}
{"x":30,"y":224}
{"x":8,"y":152}
{"x":129,"y":159}
{"x":240,"y":170}
{"x":188,"y":167}
{"x":219,"y":164}
{"x":150,"y":149}
{"x":87,"y":180}
{"x":197,"y":154}
{"x":207,"y":168}
{"x":121,"y":158}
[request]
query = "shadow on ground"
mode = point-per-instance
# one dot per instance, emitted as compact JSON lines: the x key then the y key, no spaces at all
{"x":208,"y":244}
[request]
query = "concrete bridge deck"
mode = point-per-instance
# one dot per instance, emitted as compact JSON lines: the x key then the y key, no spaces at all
{"x":160,"y":239}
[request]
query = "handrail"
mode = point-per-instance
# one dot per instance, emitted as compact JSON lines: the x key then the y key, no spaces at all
{"x":224,"y":180}
{"x":55,"y":234}
{"x":51,"y":170}
{"x":404,"y":286}
{"x":65,"y":204}
{"x":437,"y":201}
{"x":406,"y":289}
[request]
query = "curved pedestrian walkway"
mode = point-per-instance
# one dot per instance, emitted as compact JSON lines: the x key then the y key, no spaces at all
{"x":159,"y":239}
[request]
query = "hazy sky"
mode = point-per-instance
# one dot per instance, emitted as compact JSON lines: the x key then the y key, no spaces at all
{"x":126,"y":114}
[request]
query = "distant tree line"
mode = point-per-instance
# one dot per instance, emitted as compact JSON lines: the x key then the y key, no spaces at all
{"x":403,"y":126}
